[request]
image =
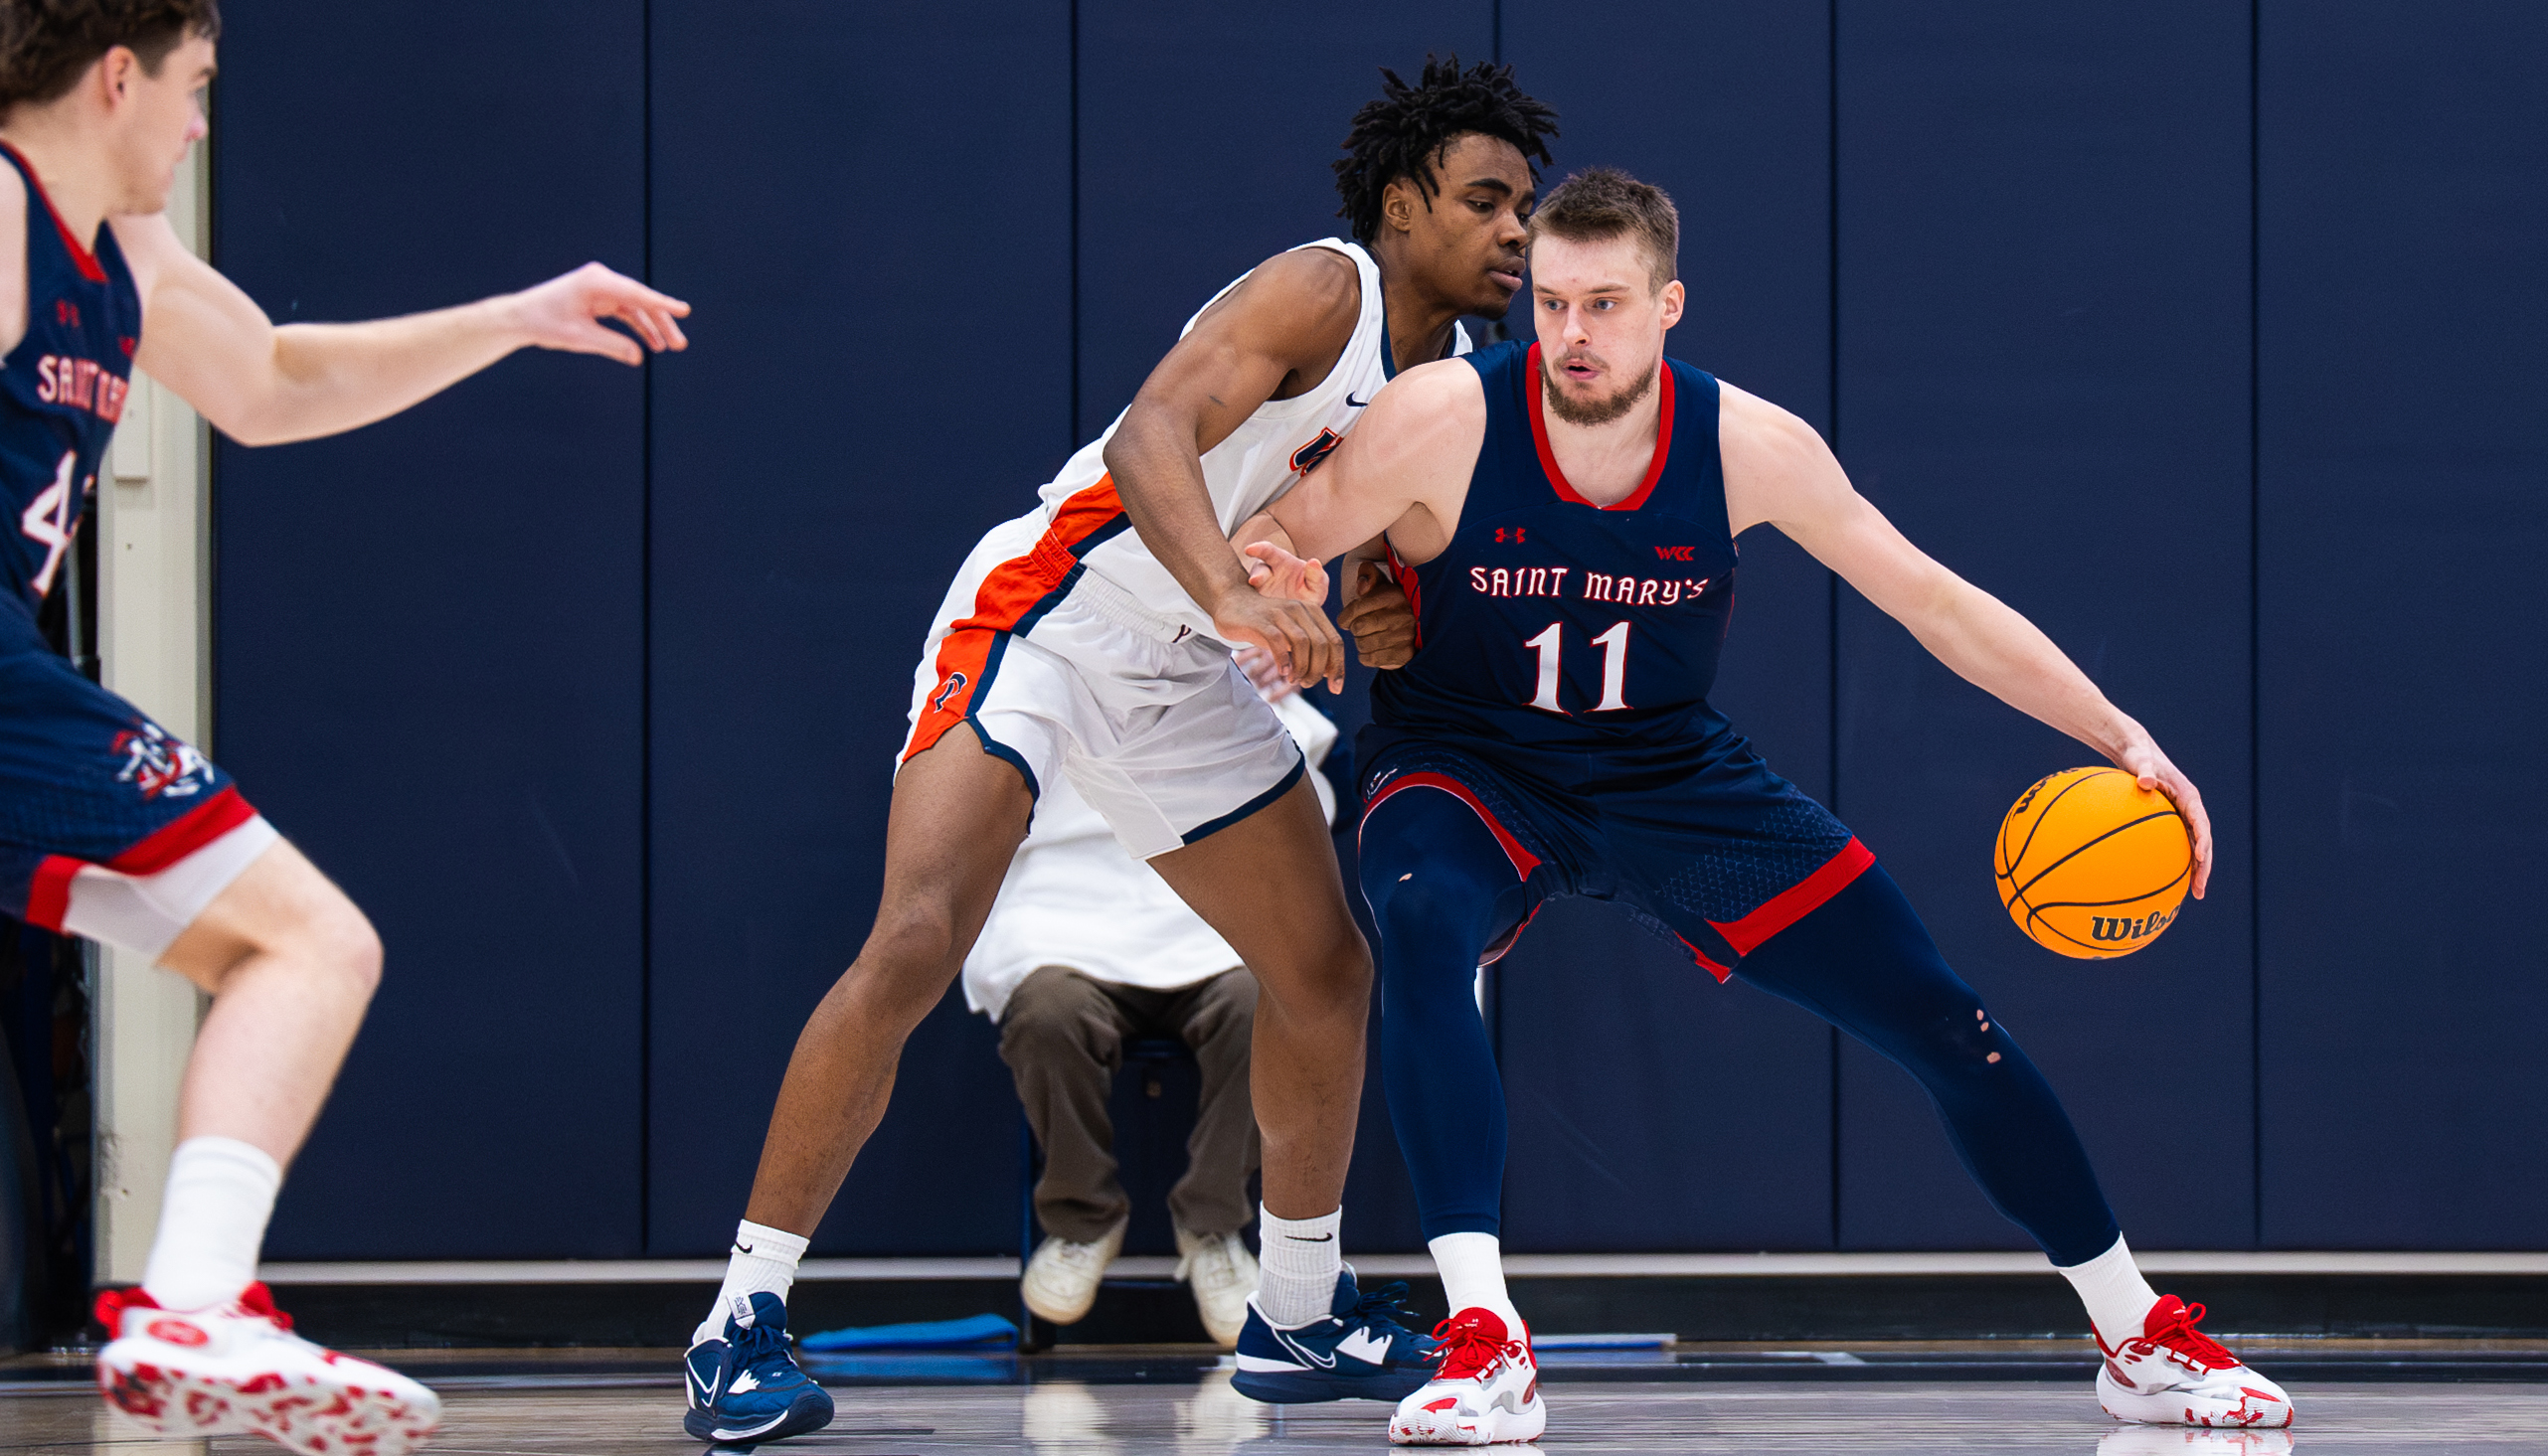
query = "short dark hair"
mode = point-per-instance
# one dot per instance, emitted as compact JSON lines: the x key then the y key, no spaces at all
{"x":1602,"y":202}
{"x":1405,"y":132}
{"x":45,"y":45}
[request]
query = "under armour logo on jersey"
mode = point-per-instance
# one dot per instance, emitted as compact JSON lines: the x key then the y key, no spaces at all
{"x":1307,"y":459}
{"x":65,"y":313}
{"x":1674,"y":553}
{"x":1509,"y":533}
{"x":954,"y":684}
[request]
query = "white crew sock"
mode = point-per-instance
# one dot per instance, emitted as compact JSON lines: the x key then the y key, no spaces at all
{"x":763,"y":1261}
{"x":1296,"y":1268}
{"x":2119,"y":1299}
{"x":1473,"y":1270}
{"x":212,"y":1221}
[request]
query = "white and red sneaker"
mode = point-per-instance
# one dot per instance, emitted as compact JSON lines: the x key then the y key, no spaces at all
{"x":2174,"y":1374}
{"x":241,"y":1369}
{"x":1487,"y":1389}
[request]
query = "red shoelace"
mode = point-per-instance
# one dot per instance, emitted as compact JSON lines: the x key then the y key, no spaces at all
{"x":2180,"y":1336}
{"x":1468,"y":1350}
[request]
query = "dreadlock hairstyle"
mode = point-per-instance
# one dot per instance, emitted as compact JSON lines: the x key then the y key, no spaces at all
{"x":45,"y":45}
{"x":1404,"y":133}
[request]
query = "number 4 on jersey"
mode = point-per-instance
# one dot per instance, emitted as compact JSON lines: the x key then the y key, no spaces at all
{"x":47,"y":521}
{"x":1551,"y":647}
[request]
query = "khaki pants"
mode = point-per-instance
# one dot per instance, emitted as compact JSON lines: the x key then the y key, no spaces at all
{"x":1062,"y":1038}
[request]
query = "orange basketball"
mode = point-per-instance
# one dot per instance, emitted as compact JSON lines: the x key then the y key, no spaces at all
{"x":2092,"y":864}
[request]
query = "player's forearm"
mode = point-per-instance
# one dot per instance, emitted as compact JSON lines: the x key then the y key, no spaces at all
{"x":1989,"y":644}
{"x":1259,"y":527}
{"x":329,"y":377}
{"x":1159,"y":478}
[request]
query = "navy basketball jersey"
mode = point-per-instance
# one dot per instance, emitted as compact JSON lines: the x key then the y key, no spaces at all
{"x":62,"y":389}
{"x":1568,"y":631}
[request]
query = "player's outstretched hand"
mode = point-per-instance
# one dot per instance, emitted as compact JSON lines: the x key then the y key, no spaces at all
{"x":1278,"y":573}
{"x":1380,"y":617}
{"x":2144,"y":760}
{"x":1296,"y":634}
{"x":565,"y":312}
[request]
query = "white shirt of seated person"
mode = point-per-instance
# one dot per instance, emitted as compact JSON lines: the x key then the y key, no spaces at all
{"x":1073,"y":897}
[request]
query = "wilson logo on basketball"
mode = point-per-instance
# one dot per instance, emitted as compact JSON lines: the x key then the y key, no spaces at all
{"x":179,"y":1332}
{"x":2101,"y":928}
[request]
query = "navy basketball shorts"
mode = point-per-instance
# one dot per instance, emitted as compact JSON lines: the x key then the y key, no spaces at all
{"x":109,"y":826}
{"x":1711,"y":851}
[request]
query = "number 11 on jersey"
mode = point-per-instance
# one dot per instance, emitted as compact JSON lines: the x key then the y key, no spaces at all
{"x":1551,"y":647}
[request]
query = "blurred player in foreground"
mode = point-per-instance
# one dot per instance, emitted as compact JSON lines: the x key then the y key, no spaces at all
{"x":1085,"y":951}
{"x":1090,"y":637}
{"x":1563,"y":514}
{"x":111,"y":828}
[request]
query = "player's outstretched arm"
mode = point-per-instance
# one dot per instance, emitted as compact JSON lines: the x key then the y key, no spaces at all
{"x":1778,"y":470}
{"x":260,"y":383}
{"x":1404,"y":471}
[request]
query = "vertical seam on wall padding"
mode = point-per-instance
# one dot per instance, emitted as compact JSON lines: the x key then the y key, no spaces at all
{"x":646,"y":654}
{"x":207,"y":453}
{"x":1076,"y":284}
{"x":1831,"y":578}
{"x":2255,"y":622}
{"x":1495,"y":30}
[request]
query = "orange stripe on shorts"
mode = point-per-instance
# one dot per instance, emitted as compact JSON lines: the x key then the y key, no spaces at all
{"x":1010,"y":592}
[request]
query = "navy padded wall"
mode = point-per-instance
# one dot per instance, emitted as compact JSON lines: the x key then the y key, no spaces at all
{"x":2403,"y":232}
{"x":2044,"y":362}
{"x":870,"y":207}
{"x":1711,"y":1125}
{"x":1206,"y":134}
{"x":427,"y":659}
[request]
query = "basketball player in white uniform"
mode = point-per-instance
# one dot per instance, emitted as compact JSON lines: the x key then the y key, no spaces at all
{"x":1090,"y":638}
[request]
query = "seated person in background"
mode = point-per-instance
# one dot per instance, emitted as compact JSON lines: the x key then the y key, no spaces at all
{"x":1087,"y":950}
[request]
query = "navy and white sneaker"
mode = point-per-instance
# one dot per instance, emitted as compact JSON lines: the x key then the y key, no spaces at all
{"x":1359,"y":1352}
{"x":745,"y":1388}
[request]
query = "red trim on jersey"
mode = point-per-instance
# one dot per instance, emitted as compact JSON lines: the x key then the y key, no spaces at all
{"x":1524,"y":862}
{"x":80,"y":256}
{"x":1723,"y":974}
{"x":1408,"y":583}
{"x":1538,"y":389}
{"x":1797,"y":900}
{"x":206,"y":822}
{"x":1009,"y":591}
{"x":49,"y":894}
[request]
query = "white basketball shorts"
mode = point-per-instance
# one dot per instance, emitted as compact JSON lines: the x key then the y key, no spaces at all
{"x":1060,"y":671}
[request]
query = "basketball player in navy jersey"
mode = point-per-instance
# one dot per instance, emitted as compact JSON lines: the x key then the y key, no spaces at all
{"x":111,"y":827}
{"x":1564,"y":516}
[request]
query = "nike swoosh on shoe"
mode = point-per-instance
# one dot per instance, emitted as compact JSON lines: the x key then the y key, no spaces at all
{"x":1287,"y":1342}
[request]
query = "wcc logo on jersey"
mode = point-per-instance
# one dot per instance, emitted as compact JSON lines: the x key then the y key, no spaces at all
{"x":1307,"y":459}
{"x":160,"y":767}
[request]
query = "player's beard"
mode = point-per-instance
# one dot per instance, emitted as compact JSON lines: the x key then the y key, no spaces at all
{"x":1598,"y":411}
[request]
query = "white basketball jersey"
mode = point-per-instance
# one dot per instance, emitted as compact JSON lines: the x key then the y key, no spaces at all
{"x":1263,"y":458}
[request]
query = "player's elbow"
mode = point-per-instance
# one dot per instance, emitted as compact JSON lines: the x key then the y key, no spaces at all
{"x":1145,"y":424}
